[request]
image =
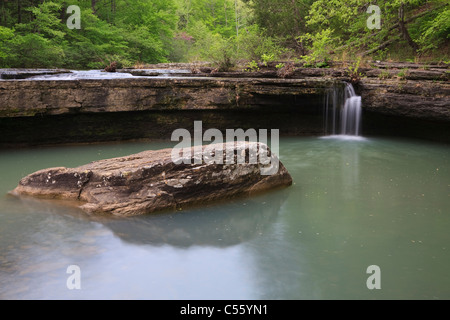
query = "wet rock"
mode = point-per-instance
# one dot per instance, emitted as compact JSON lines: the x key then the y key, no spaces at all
{"x":157,"y":72}
{"x":151,"y":181}
{"x":17,"y":74}
{"x":425,"y":100}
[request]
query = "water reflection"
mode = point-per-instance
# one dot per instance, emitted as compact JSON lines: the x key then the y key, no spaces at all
{"x":213,"y":225}
{"x":350,"y":169}
{"x":353,"y":204}
{"x":218,"y":225}
{"x":128,"y":257}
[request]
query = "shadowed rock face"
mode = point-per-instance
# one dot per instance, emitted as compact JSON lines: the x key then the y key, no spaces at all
{"x":56,"y":97}
{"x":150,"y":181}
{"x":424,"y":100}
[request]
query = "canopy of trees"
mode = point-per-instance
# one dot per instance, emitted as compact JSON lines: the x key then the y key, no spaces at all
{"x":33,"y":33}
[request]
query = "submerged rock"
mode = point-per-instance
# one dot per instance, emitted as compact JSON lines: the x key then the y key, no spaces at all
{"x":151,"y":181}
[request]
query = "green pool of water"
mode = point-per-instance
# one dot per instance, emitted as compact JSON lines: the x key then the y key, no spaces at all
{"x":354,"y":204}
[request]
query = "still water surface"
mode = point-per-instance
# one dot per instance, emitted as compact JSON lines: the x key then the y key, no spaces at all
{"x":355,"y":203}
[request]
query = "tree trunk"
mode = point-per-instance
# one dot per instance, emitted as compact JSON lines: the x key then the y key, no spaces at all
{"x":62,"y":12}
{"x":188,"y":12}
{"x":93,"y":3}
{"x":297,"y":18}
{"x":299,"y":48}
{"x":380,"y":47}
{"x":3,"y":17}
{"x":404,"y":30}
{"x":19,"y":12}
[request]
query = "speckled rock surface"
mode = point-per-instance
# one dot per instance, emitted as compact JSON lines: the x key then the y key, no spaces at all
{"x":150,"y":181}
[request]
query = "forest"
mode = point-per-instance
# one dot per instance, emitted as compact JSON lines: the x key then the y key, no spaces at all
{"x":226,"y":33}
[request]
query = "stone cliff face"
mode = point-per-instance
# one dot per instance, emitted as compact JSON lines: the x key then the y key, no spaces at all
{"x":421,"y":94}
{"x":40,"y":112}
{"x":425,"y":100}
{"x":30,"y":98}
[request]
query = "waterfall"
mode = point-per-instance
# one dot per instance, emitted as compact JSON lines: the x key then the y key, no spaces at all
{"x":351,"y":113}
{"x":342,"y":111}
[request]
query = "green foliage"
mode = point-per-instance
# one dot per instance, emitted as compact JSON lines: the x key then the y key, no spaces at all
{"x":35,"y":44}
{"x":384,"y":75}
{"x":403,"y":74}
{"x":353,"y":71}
{"x":252,"y":66}
{"x":280,"y":65}
{"x":282,"y":19}
{"x":348,"y":20}
{"x":436,"y":31}
{"x":200,"y":43}
{"x":222,"y":55}
{"x":225,"y":32}
{"x":211,"y":47}
{"x":254,"y":44}
{"x":46,"y":22}
{"x":33,"y":50}
{"x":267,"y":58}
{"x":323,"y":64}
{"x":319,"y":45}
{"x":6,"y":37}
{"x":135,"y":30}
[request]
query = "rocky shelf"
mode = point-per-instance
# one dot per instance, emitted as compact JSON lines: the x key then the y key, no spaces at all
{"x":153,"y":103}
{"x":409,"y":90}
{"x":27,"y":98}
{"x":16,"y":74}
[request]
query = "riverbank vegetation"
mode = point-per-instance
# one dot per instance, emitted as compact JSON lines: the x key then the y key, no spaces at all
{"x":227,"y":33}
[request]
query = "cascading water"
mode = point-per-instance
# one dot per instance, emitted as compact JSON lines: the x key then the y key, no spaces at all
{"x":342,"y":111}
{"x":351,"y":113}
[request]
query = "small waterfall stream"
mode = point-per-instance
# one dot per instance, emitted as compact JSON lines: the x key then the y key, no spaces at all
{"x":351,"y":113}
{"x":342,"y":111}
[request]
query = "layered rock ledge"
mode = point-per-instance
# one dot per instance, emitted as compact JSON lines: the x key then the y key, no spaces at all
{"x":15,"y":74}
{"x":30,"y":98}
{"x":400,"y":99}
{"x":419,"y":94}
{"x":151,"y":181}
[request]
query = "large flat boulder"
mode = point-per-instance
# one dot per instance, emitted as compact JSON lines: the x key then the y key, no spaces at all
{"x":152,"y":181}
